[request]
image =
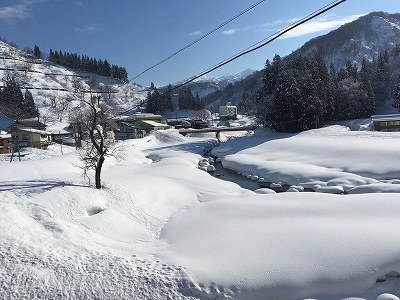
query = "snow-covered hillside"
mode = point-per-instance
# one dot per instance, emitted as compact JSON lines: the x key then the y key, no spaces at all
{"x":56,"y":90}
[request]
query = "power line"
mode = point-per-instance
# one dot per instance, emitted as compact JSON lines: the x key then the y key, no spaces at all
{"x":200,"y":38}
{"x":252,"y":48}
{"x":269,"y":39}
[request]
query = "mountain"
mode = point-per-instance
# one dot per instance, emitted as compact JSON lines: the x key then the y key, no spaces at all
{"x":57,"y":90}
{"x":365,"y":37}
{"x":206,"y":85}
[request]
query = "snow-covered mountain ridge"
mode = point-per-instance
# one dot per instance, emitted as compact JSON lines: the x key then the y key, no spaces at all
{"x":365,"y":37}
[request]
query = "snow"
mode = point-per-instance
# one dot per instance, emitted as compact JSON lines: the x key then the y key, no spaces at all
{"x":333,"y":156}
{"x":161,"y":228}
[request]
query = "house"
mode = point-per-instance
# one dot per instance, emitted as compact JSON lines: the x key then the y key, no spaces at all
{"x":58,"y":136}
{"x":5,"y":142}
{"x":148,"y":125}
{"x":128,"y":130}
{"x":386,"y":122}
{"x":31,"y":137}
{"x":228,"y":112}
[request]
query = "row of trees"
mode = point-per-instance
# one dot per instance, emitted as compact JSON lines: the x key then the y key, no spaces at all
{"x":15,"y":103}
{"x":300,"y":93}
{"x":158,"y":103}
{"x":88,"y":64}
{"x":188,"y":101}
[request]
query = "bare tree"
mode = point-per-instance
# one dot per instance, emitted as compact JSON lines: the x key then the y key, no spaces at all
{"x":64,"y":104}
{"x":76,"y":84}
{"x":99,"y":141}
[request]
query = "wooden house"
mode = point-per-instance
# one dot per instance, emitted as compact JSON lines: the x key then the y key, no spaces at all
{"x":31,"y":137}
{"x":386,"y":122}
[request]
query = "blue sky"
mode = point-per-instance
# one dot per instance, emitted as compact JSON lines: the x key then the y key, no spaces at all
{"x":137,"y":34}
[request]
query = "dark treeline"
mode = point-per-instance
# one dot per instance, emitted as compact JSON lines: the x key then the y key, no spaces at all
{"x":188,"y":101}
{"x":88,"y":64}
{"x":300,"y":93}
{"x":158,"y":103}
{"x":14,"y":103}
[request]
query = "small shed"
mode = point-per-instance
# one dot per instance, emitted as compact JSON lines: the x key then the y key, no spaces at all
{"x":58,"y":136}
{"x":386,"y":122}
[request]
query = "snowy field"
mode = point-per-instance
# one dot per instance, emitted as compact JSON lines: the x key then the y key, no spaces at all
{"x":164,"y":229}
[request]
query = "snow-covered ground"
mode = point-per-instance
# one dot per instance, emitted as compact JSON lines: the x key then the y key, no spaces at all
{"x":163,"y":229}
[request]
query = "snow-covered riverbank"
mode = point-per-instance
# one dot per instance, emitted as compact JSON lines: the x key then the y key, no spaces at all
{"x":163,"y":229}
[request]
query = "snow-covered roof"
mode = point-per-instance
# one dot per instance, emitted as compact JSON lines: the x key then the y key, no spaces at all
{"x":392,"y":117}
{"x":153,"y":123}
{"x":4,"y":135}
{"x":35,"y":130}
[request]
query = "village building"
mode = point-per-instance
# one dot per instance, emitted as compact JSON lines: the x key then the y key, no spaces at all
{"x":30,"y":137}
{"x":137,"y":125}
{"x":127,"y":130}
{"x":386,"y":122}
{"x":148,"y":125}
{"x":60,"y":136}
{"x":228,"y":112}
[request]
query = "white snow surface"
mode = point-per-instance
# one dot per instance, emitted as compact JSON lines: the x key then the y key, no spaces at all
{"x":163,"y":229}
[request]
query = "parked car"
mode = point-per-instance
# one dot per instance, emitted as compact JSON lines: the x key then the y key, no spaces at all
{"x":198,"y":123}
{"x":179,"y":123}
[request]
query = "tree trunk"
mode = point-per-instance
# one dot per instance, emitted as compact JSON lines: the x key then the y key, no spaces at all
{"x":98,"y":171}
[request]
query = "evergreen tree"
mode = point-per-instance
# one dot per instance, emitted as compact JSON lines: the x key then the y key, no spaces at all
{"x":37,"y":53}
{"x":381,"y":77}
{"x":13,"y":103}
{"x":396,"y":94}
{"x":351,"y":70}
{"x":28,"y":105}
{"x":186,"y":99}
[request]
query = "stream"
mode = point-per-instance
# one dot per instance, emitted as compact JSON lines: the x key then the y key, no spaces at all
{"x":232,"y":176}
{"x":246,"y":183}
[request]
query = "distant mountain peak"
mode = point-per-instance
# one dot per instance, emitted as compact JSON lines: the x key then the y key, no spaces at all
{"x":365,"y":37}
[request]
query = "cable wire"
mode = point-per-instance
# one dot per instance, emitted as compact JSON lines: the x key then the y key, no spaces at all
{"x":254,"y":47}
{"x":269,"y":39}
{"x":199,"y":39}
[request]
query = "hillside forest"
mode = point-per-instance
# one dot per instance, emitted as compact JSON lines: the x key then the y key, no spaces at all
{"x":300,"y":93}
